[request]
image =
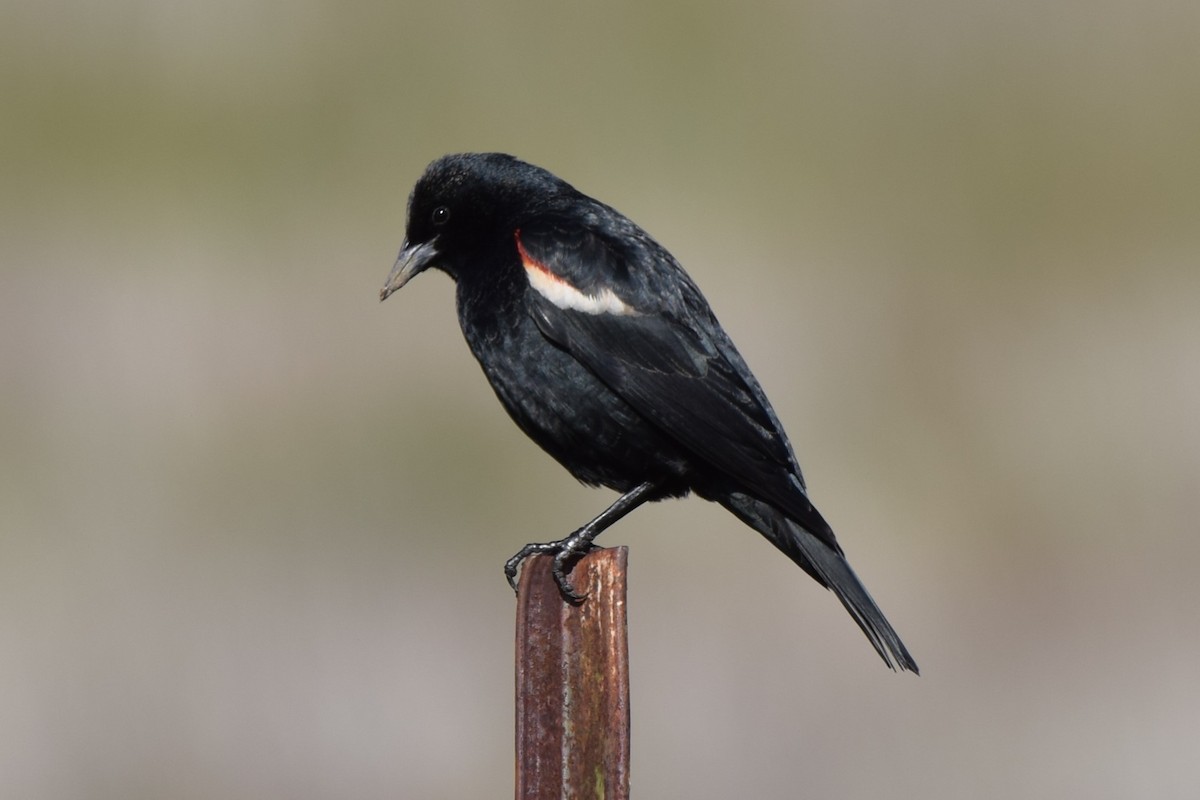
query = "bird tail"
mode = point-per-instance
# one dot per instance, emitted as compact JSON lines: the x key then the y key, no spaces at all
{"x":829,"y":567}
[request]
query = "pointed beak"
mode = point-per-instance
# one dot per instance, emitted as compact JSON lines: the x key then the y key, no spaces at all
{"x":413,"y":259}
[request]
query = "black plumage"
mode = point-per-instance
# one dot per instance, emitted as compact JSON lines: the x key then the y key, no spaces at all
{"x":605,"y":353}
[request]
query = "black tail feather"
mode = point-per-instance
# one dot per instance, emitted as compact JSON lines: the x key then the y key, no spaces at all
{"x":829,"y":568}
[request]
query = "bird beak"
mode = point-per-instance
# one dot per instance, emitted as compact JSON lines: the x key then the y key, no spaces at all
{"x":412,"y":260}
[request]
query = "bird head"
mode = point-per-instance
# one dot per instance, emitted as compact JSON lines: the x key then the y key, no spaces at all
{"x":462,"y":206}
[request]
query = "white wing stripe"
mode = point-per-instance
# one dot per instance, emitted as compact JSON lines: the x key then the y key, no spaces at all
{"x":567,"y":297}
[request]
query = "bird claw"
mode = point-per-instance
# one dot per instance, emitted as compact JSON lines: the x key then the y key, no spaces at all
{"x":559,"y":571}
{"x":565,"y":551}
{"x":512,"y":566}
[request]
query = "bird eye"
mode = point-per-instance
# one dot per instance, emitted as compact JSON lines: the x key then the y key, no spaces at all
{"x":441,"y":215}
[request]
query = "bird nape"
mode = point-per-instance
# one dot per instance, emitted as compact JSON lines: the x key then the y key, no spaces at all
{"x":604,"y":352}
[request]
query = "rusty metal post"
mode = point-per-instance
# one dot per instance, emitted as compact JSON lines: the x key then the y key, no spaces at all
{"x":573,"y":682}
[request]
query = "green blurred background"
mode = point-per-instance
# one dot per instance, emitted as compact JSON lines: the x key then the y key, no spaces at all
{"x":252,"y":522}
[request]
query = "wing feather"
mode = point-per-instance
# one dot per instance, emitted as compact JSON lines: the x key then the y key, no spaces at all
{"x":668,"y":358}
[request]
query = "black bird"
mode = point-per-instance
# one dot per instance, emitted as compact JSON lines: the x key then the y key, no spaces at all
{"x":604,"y":352}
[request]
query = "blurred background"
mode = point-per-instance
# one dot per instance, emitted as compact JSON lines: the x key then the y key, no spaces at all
{"x":252,"y":522}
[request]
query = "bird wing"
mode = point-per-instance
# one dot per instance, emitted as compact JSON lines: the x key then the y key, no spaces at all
{"x":624,"y":308}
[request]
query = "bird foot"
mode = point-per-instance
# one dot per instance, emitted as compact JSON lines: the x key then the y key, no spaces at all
{"x":566,"y":552}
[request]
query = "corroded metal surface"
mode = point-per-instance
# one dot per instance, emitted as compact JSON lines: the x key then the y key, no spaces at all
{"x":573,"y":682}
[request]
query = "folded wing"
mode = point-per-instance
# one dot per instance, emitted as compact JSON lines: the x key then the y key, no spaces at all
{"x":626,"y":310}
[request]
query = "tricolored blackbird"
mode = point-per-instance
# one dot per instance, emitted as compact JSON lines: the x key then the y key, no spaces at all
{"x":605,"y":353}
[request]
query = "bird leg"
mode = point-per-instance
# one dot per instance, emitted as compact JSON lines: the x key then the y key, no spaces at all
{"x":567,"y":549}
